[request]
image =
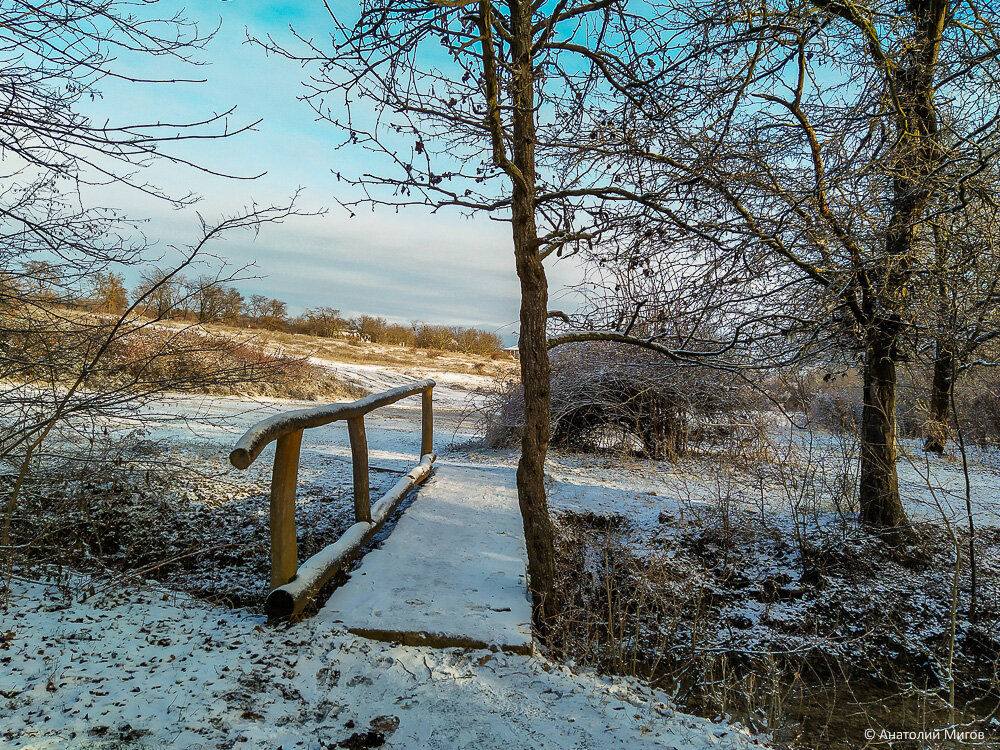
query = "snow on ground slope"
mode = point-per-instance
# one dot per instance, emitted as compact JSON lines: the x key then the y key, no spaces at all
{"x":146,"y":669}
{"x":700,"y":486}
{"x":152,"y":669}
{"x":453,"y":390}
{"x":177,"y":672}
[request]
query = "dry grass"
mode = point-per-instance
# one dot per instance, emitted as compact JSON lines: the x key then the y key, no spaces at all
{"x":353,"y":351}
{"x":814,"y":648}
{"x":153,"y":359}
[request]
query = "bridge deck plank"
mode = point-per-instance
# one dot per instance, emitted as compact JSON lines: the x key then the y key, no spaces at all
{"x":451,"y":573}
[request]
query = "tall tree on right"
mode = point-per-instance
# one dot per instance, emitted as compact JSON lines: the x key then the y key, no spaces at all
{"x":815,"y":142}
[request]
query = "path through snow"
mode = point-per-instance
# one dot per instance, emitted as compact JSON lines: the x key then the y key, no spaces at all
{"x":452,"y":572}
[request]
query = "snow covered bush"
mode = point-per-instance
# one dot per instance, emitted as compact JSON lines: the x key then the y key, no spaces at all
{"x":609,"y":396}
{"x":838,"y":410}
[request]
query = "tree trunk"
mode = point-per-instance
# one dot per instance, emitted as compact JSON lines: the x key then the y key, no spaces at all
{"x":879,"y":496}
{"x":532,"y":344}
{"x":916,"y":156}
{"x":939,"y":409}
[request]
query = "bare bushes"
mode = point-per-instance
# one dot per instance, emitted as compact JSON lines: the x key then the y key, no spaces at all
{"x":140,"y":510}
{"x":46,"y":345}
{"x":456,"y":338}
{"x":613,"y":397}
{"x":837,"y":410}
{"x":977,"y":397}
{"x":829,"y":399}
{"x":803,"y":644}
{"x":833,"y":398}
{"x":736,"y":436}
{"x":833,"y":401}
{"x":653,"y":616}
{"x":606,"y":597}
{"x":328,"y":323}
{"x":500,"y":417}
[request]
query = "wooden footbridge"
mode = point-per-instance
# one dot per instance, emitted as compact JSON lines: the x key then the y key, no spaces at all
{"x":452,"y":571}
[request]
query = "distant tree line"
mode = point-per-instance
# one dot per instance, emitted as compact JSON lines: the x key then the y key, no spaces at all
{"x":207,"y":299}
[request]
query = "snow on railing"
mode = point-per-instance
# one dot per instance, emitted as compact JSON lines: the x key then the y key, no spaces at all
{"x":292,"y":587}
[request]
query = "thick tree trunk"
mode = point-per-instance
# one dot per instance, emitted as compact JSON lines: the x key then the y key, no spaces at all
{"x":532,"y":344}
{"x":939,"y":408}
{"x":917,"y":154}
{"x":879,"y":496}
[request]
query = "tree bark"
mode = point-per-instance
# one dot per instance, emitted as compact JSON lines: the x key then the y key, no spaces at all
{"x":916,"y":156}
{"x":879,"y":494}
{"x":939,"y":408}
{"x":532,"y":343}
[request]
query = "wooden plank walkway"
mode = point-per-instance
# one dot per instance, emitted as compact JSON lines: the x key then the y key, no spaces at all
{"x":451,"y":573}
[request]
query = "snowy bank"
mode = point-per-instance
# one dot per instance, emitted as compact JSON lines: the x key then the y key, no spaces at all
{"x":162,"y":669}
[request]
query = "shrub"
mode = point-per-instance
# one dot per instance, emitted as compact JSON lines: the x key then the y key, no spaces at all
{"x":456,"y":339}
{"x":837,"y":410}
{"x":325,"y":322}
{"x":977,"y":397}
{"x":614,"y":396}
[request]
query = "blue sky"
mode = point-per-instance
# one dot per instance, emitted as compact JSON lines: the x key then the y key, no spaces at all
{"x":406,"y":265}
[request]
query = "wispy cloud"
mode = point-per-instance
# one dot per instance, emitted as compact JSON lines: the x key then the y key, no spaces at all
{"x":410,"y":265}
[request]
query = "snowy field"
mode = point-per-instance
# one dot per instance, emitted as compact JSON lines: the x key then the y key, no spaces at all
{"x":151,"y":667}
{"x":805,"y":479}
{"x":155,"y":669}
{"x":84,"y":666}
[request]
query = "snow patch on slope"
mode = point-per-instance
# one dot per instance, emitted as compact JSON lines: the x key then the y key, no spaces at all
{"x":165,"y":669}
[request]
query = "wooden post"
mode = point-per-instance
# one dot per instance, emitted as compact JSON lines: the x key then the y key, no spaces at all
{"x":359,"y":456}
{"x":427,"y":422}
{"x":284,"y":550}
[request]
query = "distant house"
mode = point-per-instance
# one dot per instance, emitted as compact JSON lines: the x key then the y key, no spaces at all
{"x":512,"y":351}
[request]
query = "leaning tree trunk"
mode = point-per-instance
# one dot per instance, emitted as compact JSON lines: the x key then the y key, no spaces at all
{"x":879,"y":496}
{"x":532,"y":343}
{"x":939,"y":408}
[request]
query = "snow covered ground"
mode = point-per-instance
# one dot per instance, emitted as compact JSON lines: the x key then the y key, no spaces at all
{"x":931,"y":486}
{"x":154,"y":669}
{"x":454,"y":390}
{"x":150,"y":667}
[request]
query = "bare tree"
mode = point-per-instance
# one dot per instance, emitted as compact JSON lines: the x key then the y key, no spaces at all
{"x":256,"y":307}
{"x":65,"y":374}
{"x":476,"y":104}
{"x":108,"y":292}
{"x":162,"y":292}
{"x":213,"y":300}
{"x":812,"y":144}
{"x":265,"y":312}
{"x":56,"y":55}
{"x":321,"y":321}
{"x":961,"y":308}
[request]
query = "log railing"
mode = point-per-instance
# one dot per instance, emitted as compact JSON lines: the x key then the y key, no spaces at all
{"x":292,"y":586}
